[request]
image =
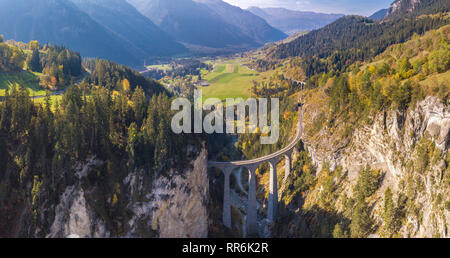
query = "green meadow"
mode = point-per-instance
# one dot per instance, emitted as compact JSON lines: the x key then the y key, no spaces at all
{"x":53,"y":100}
{"x":163,"y":67}
{"x":31,"y":82}
{"x":27,"y":79}
{"x":229,"y":80}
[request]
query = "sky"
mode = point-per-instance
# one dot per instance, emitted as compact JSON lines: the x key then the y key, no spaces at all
{"x":360,"y":7}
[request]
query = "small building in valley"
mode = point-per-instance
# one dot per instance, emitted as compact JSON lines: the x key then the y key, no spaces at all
{"x":202,"y":83}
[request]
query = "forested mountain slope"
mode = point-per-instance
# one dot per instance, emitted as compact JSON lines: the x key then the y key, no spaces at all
{"x":376,"y":159}
{"x":379,"y":15}
{"x":353,"y":38}
{"x":86,"y":165}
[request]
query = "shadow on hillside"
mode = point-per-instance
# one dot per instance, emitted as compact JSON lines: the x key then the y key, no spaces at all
{"x":294,"y":222}
{"x":216,"y":229}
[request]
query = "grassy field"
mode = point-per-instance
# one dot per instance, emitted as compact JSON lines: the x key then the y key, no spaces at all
{"x":436,"y":80}
{"x":163,"y":67}
{"x":229,"y":80}
{"x":53,"y":100}
{"x":26,"y":79}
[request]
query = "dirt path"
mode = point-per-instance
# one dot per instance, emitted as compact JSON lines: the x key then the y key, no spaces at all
{"x":230,"y":68}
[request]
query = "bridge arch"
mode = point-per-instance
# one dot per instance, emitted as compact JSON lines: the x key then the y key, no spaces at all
{"x":251,"y":166}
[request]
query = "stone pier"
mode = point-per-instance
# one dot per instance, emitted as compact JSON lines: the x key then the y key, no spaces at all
{"x":251,"y":166}
{"x":273,"y":191}
{"x":287,"y":165}
{"x":227,"y":198}
{"x":251,"y":222}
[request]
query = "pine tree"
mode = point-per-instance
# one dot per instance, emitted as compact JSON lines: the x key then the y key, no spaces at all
{"x":361,"y":220}
{"x":34,"y":63}
{"x":161,"y":145}
{"x":131,"y":145}
{"x":339,"y":232}
{"x":139,"y":105}
{"x":367,"y":184}
{"x":390,"y":216}
{"x":402,"y":96}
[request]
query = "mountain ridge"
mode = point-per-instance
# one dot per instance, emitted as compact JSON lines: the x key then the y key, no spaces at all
{"x":252,"y":25}
{"x":207,"y":23}
{"x":379,"y":15}
{"x":39,"y":23}
{"x":290,"y":21}
{"x":62,"y":22}
{"x":122,"y":19}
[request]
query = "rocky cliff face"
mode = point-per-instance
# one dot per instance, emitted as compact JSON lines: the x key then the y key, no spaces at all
{"x":402,"y":7}
{"x":176,"y":208}
{"x":410,"y":149}
{"x":170,"y":205}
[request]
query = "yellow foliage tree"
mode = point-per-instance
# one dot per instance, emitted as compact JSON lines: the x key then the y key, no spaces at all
{"x":115,"y":200}
{"x":34,"y":45}
{"x":53,"y":80}
{"x":126,"y":85}
{"x":286,"y":115}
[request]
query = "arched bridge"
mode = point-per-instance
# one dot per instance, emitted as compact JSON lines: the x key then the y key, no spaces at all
{"x":251,"y":166}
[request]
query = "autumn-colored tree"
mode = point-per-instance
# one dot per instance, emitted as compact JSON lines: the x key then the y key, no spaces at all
{"x":34,"y":45}
{"x":12,"y":58}
{"x":126,"y":85}
{"x":404,"y":67}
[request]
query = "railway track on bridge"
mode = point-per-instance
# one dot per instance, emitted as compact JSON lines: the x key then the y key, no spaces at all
{"x":251,"y":165}
{"x":289,"y":147}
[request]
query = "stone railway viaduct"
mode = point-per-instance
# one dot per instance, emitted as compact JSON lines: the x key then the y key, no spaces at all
{"x":251,"y":166}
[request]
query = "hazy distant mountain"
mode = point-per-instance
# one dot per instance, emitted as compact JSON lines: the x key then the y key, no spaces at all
{"x":250,"y":24}
{"x":192,"y":23}
{"x":290,"y":21}
{"x":379,"y":15}
{"x":208,"y":23}
{"x":62,"y":22}
{"x":121,"y":18}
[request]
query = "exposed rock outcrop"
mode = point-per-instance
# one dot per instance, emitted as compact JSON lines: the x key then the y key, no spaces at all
{"x":176,"y":207}
{"x":170,"y":205}
{"x":402,"y":6}
{"x":392,"y":144}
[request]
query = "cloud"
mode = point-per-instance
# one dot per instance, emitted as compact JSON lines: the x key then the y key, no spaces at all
{"x":361,"y":7}
{"x":303,"y":3}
